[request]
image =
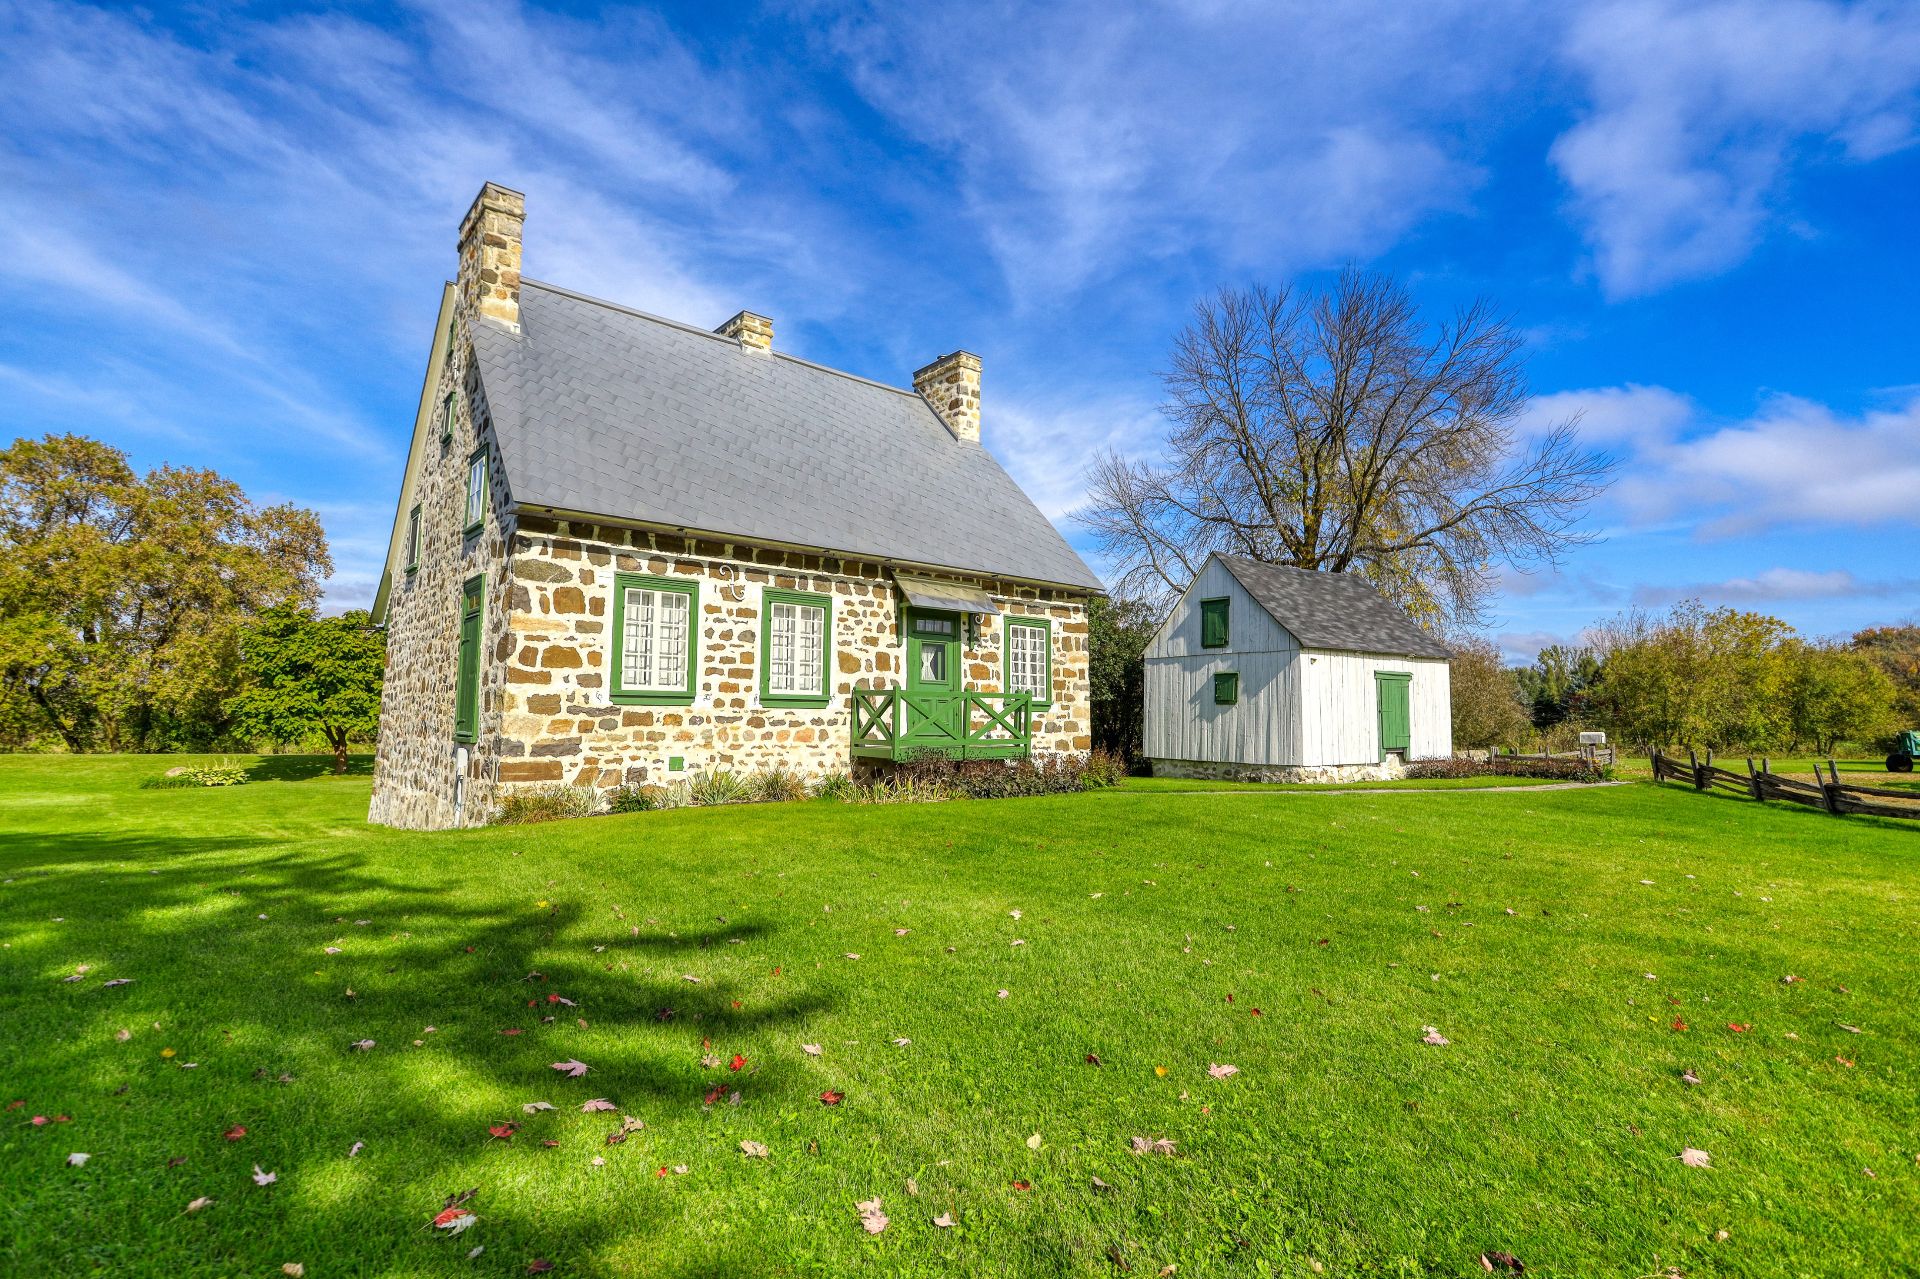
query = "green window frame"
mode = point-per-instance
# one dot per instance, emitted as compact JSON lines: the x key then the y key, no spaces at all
{"x":466,"y":687}
{"x":1018,"y":673}
{"x":786,"y":654}
{"x":449,"y":410}
{"x":478,"y":479}
{"x":663,"y":616}
{"x":1215,"y":622}
{"x":413,"y":540}
{"x":1226,"y":688}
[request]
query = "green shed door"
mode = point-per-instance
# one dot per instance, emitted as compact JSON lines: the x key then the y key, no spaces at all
{"x":466,"y":712}
{"x":1396,"y":720}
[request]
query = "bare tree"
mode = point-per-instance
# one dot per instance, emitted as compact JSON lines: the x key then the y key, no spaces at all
{"x":1339,"y":431}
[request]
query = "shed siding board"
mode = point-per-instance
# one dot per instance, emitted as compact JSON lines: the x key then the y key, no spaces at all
{"x":1251,"y":629}
{"x":1341,"y":710}
{"x":1183,"y":722}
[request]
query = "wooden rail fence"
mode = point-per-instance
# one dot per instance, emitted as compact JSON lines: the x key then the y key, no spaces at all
{"x":1762,"y":783}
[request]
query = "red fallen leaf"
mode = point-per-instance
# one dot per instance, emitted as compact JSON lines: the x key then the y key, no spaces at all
{"x":1739,"y":1028}
{"x":1229,"y":998}
{"x":832,"y":1098}
{"x":63,"y":1119}
{"x":512,"y":1030}
{"x":1093,"y":1059}
{"x":40,"y":1121}
{"x":617,"y":1136}
{"x":549,"y":1143}
{"x":1492,"y":1259}
{"x":15,"y":1105}
{"x":503,"y":1131}
{"x":469,"y":950}
{"x":450,"y":1214}
{"x":1324,"y":941}
{"x":1842,"y":1060}
{"x":736,"y":1003}
{"x":1023,"y":1185}
{"x":539,"y":1266}
{"x":176,"y":1161}
{"x":234,"y":1133}
{"x":776,"y":972}
{"x":1256,"y":1012}
{"x":737,"y":1062}
{"x":662,"y":1172}
{"x":1678,"y":1024}
{"x":715,"y":1093}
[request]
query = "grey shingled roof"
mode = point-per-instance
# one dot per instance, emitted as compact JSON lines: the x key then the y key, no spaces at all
{"x":1338,"y":611}
{"x":605,"y":411}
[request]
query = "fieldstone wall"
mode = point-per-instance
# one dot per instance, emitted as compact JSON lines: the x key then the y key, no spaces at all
{"x":1394,"y":766}
{"x":422,"y":778}
{"x":559,"y":724}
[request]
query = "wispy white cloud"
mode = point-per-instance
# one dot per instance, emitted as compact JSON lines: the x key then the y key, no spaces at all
{"x":1776,"y":585}
{"x":1699,"y":113}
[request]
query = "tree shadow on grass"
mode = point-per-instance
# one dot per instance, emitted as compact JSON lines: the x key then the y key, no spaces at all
{"x":250,"y":999}
{"x":302,"y":768}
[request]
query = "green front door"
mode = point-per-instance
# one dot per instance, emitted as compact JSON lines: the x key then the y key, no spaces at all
{"x":935,"y":713}
{"x":1396,"y":720}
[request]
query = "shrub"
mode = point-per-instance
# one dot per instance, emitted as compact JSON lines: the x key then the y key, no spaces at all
{"x":1564,"y":770}
{"x":1104,"y":768}
{"x":223,"y":772}
{"x":721,"y":786}
{"x":546,"y":804}
{"x":1004,"y":779}
{"x":636,"y":799}
{"x":837,"y":787}
{"x":903,"y":788}
{"x":776,"y":785}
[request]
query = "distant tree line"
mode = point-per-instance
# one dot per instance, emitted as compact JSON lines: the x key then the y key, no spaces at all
{"x":153,"y":612}
{"x":1695,"y":676}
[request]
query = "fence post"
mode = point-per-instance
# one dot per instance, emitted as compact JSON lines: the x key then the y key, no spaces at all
{"x":1829,"y":790}
{"x":1753,"y":778}
{"x":1693,"y":762}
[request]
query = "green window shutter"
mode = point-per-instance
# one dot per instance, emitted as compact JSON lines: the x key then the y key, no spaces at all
{"x":466,"y":712}
{"x":449,"y":409}
{"x":1214,"y":631}
{"x":1226,"y":688}
{"x":413,"y":539}
{"x":1396,"y":721}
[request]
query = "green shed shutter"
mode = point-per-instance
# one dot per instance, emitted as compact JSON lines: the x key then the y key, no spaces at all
{"x":1226,"y":688}
{"x":1213,"y":623}
{"x":1396,"y":728}
{"x":466,"y":713}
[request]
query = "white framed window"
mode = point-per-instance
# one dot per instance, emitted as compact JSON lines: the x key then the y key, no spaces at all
{"x":796,"y":640}
{"x":1028,"y":653}
{"x":654,"y":643}
{"x":476,"y":490}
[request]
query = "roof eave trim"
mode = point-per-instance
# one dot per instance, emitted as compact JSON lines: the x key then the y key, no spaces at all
{"x":715,"y":535}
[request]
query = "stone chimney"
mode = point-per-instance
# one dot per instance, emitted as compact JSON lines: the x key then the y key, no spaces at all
{"x":951,"y":384}
{"x":490,"y":254}
{"x":752,"y":332}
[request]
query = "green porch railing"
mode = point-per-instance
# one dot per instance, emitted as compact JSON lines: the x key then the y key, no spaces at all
{"x":892,"y":723}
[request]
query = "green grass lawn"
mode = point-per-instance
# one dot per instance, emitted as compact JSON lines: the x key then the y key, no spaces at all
{"x":266,"y":929}
{"x":1175,"y":784}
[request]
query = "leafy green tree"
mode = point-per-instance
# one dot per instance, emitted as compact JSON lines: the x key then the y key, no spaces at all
{"x":1118,"y":632}
{"x":1838,"y":694}
{"x":1555,"y":688}
{"x":1896,"y":650}
{"x":309,"y":677}
{"x":122,"y":597}
{"x":1696,"y":676}
{"x":1486,"y":702}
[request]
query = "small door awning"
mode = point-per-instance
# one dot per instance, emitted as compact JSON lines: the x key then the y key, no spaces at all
{"x":953,"y":597}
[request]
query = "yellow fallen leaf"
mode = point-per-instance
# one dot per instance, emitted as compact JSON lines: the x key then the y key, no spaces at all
{"x":1160,"y":1071}
{"x":166,"y":1052}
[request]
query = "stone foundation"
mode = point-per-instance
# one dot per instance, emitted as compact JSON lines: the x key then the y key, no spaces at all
{"x":1393,"y":767}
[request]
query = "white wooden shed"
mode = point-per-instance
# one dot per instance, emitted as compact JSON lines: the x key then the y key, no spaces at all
{"x":1267,"y":673}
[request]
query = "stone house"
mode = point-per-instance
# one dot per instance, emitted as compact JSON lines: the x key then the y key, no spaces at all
{"x":629,"y":551}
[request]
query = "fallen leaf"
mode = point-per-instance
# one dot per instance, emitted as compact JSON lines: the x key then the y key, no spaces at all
{"x":1152,"y":1146}
{"x":708,"y":1061}
{"x":198,"y":1204}
{"x":503,"y":1132}
{"x":1678,"y":1024}
{"x":356,"y":1148}
{"x":1851,"y":1030}
{"x":1000,"y":994}
{"x":539,"y":1266}
{"x":851,"y":955}
{"x":1023,"y":1185}
{"x":1219,"y":1071}
{"x":1014,"y":914}
{"x":1160,"y":1071}
{"x":1093,"y":1059}
{"x":944,"y":1221}
{"x":737,"y":1062}
{"x":811,"y":1050}
{"x":78,"y":1159}
{"x":570,"y":1068}
{"x":1688,"y":1077}
{"x":901,"y":1043}
{"x":1434,"y":1037}
{"x":454,"y":1220}
{"x":598,"y":1103}
{"x":832,"y":1098}
{"x":753,"y":1150}
{"x":294,"y":1269}
{"x":234,"y":1133}
{"x":872,"y":1220}
{"x":1739,"y":1028}
{"x":475,"y":1251}
{"x":535,"y":1107}
{"x":119,"y":981}
{"x":1101,"y":1185}
{"x":363,"y":1045}
{"x":1492,"y":1260}
{"x":123,"y":1035}
{"x":1695,"y":1158}
{"x":1033,"y":1142}
{"x":264,"y":1178}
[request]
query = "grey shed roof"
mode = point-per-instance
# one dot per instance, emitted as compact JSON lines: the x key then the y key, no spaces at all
{"x":1339,"y":611}
{"x":605,"y":411}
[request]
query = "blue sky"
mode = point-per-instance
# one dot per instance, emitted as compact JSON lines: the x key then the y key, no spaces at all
{"x":229,"y":224}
